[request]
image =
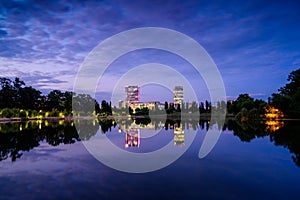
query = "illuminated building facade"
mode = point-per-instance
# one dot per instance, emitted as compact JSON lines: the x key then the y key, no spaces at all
{"x":273,"y":122}
{"x":178,"y":96}
{"x":132,"y":94}
{"x":122,"y":104}
{"x":151,"y":105}
{"x":273,"y":113}
{"x":132,"y":99}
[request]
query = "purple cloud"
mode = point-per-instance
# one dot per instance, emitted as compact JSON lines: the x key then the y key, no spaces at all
{"x":253,"y":44}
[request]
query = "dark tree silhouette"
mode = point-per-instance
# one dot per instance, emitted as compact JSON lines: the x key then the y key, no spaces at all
{"x":288,"y":98}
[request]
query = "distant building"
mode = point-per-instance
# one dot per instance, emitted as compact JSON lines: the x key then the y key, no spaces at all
{"x":178,"y":96}
{"x":132,"y":99}
{"x":155,"y":105}
{"x":160,"y":106}
{"x":122,"y":104}
{"x":132,"y":94}
{"x":272,"y":113}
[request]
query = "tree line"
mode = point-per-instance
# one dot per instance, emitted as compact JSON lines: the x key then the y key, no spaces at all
{"x":288,"y":97}
{"x":286,"y":100}
{"x":245,"y":107}
{"x":19,"y":100}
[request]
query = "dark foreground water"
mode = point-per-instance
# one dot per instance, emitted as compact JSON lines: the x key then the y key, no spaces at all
{"x":47,"y":160}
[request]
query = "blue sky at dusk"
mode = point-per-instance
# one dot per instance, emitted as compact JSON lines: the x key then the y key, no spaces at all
{"x":255,"y":44}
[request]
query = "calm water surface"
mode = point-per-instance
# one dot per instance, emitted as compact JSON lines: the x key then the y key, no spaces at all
{"x":47,"y":160}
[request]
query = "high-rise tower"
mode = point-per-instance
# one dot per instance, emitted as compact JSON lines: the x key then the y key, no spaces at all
{"x":132,"y":94}
{"x":178,"y":96}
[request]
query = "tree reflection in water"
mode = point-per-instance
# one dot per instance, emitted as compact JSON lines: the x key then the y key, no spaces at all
{"x":16,"y":138}
{"x":281,"y":133}
{"x":289,"y":137}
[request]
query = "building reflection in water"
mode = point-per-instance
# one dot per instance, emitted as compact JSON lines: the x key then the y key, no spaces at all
{"x":132,"y":137}
{"x":178,"y":135}
{"x":133,"y":131}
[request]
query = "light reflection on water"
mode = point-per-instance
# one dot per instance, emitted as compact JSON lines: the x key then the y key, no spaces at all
{"x":141,"y":133}
{"x":48,"y":157}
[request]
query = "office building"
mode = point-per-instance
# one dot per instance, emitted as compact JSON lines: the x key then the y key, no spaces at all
{"x":178,"y":96}
{"x":132,"y":94}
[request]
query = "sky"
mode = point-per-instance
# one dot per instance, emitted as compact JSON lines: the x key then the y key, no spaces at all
{"x":255,"y":44}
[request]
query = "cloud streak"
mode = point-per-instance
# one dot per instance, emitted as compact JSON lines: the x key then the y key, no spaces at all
{"x":252,"y":43}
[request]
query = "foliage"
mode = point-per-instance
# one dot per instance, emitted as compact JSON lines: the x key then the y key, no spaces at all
{"x":291,"y":88}
{"x":171,"y":109}
{"x":142,"y":121}
{"x":244,"y":101}
{"x":105,"y":108}
{"x":289,"y":137}
{"x":19,"y":100}
{"x":141,"y":111}
{"x":7,"y":113}
{"x":106,"y":125}
{"x":246,"y":108}
{"x":288,"y":98}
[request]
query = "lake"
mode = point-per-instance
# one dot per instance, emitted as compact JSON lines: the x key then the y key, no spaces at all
{"x":51,"y":159}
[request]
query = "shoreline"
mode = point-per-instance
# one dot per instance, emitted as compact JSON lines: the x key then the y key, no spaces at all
{"x":111,"y":117}
{"x":18,"y":119}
